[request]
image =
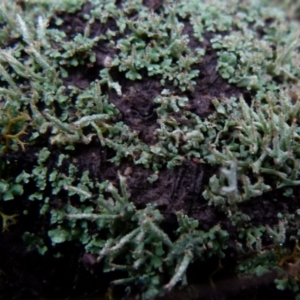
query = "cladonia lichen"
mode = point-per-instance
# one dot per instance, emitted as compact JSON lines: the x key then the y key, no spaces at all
{"x":249,"y":138}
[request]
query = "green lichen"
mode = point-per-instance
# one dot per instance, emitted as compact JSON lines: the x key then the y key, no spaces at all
{"x":254,"y":143}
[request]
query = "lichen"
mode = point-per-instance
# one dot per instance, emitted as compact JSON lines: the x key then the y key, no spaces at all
{"x":251,"y":137}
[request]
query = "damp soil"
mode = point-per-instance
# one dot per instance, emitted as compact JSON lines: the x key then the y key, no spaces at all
{"x":27,"y":275}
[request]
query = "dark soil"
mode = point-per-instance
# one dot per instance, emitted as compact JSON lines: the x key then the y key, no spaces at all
{"x":27,"y":275}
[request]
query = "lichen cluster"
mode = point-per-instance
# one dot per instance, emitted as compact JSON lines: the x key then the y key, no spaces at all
{"x":254,"y":143}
